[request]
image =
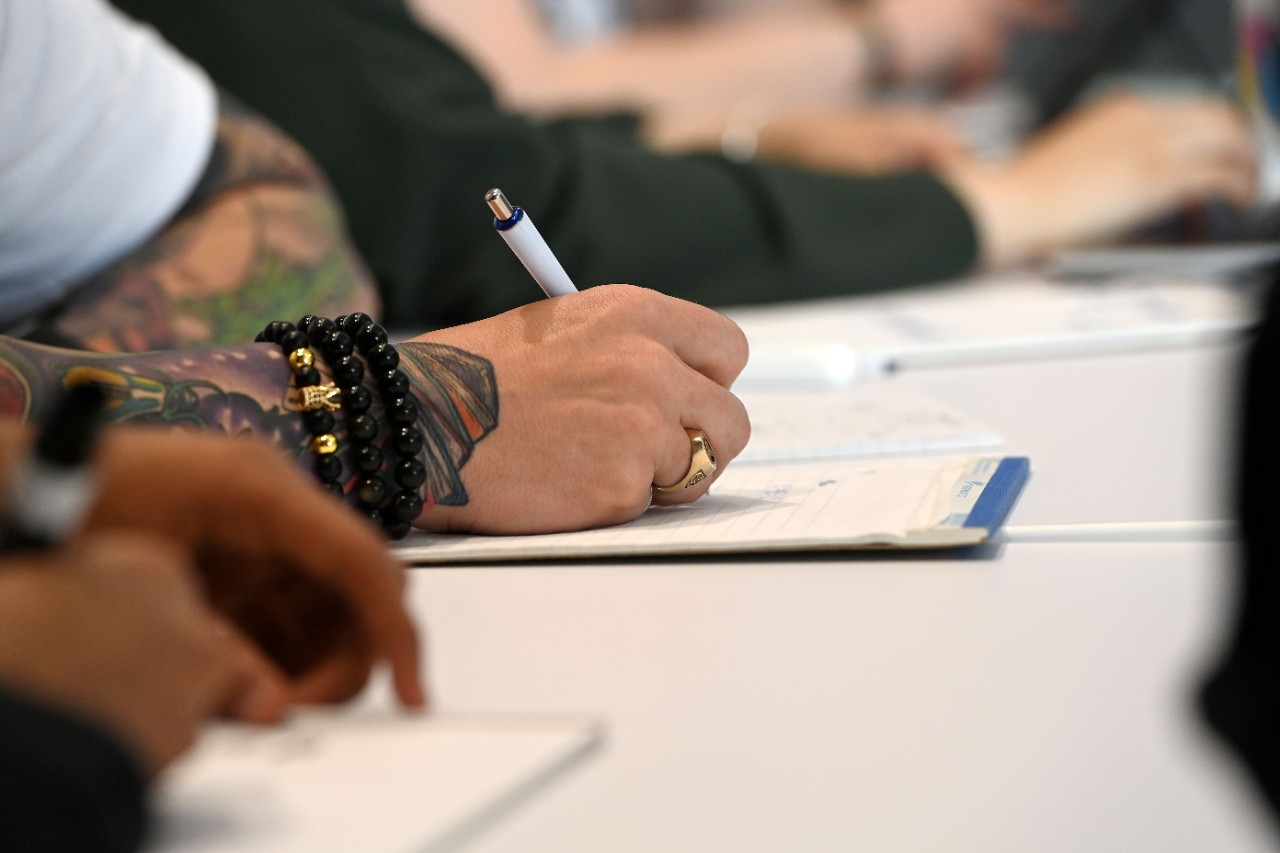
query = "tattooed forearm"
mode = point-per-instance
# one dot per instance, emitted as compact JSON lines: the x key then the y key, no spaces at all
{"x":234,"y":390}
{"x":458,"y":403}
{"x":260,"y":239}
{"x":243,"y":389}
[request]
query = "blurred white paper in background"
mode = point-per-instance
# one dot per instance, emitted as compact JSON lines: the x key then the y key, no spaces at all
{"x":1019,"y":316}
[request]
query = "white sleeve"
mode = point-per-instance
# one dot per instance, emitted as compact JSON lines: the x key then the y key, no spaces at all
{"x":104,"y":131}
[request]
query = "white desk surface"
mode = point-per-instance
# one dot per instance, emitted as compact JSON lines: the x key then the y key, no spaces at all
{"x":1039,"y":701}
{"x":1132,"y":437}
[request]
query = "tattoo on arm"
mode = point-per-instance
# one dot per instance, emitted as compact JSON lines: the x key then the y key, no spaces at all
{"x":234,"y":390}
{"x":260,"y":238}
{"x":458,"y":401}
{"x":241,"y":390}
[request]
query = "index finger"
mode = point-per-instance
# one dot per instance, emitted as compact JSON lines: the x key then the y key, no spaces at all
{"x":338,"y":547}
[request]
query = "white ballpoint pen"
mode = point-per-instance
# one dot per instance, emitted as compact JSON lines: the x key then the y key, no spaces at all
{"x":522,"y":236}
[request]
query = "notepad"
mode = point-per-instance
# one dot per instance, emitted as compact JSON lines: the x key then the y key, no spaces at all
{"x":365,"y":779}
{"x":873,"y":419}
{"x":932,"y":502}
{"x":838,"y":342}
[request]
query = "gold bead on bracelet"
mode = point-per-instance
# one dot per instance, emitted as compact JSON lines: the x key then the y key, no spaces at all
{"x":323,"y":445}
{"x":302,"y":358}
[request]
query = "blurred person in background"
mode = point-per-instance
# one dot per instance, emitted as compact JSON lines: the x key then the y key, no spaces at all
{"x":1168,"y":47}
{"x":786,"y":80}
{"x":411,"y":137}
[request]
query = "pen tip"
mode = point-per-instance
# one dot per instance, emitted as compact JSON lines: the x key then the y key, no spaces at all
{"x":498,"y":203}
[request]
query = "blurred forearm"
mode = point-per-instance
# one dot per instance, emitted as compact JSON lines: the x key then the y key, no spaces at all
{"x":260,"y":238}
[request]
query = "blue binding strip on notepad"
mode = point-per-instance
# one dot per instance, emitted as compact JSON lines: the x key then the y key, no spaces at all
{"x":1000,"y":493}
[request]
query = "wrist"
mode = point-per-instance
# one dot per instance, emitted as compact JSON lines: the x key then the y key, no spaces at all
{"x":364,"y":442}
{"x":1003,"y":220}
{"x":457,"y":392}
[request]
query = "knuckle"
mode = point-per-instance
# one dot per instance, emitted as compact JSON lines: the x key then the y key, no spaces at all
{"x":621,"y":297}
{"x":731,"y":442}
{"x":737,"y":347}
{"x":654,"y":353}
{"x":646,"y":420}
{"x":642,"y":362}
{"x":741,"y":429}
{"x":624,"y":504}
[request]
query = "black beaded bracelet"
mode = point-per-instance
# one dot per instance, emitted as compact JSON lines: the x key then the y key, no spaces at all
{"x":370,"y":488}
{"x":338,"y":341}
{"x":317,"y":402}
{"x":405,"y":439}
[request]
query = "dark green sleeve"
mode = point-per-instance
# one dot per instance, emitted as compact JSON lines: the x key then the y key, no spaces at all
{"x":65,"y":785}
{"x":411,"y":138}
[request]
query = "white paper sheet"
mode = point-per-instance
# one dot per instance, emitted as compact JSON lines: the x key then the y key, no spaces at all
{"x":834,"y":505}
{"x":368,"y":779}
{"x":870,"y":419}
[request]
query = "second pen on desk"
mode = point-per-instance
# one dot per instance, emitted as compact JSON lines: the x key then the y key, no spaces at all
{"x":518,"y":230}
